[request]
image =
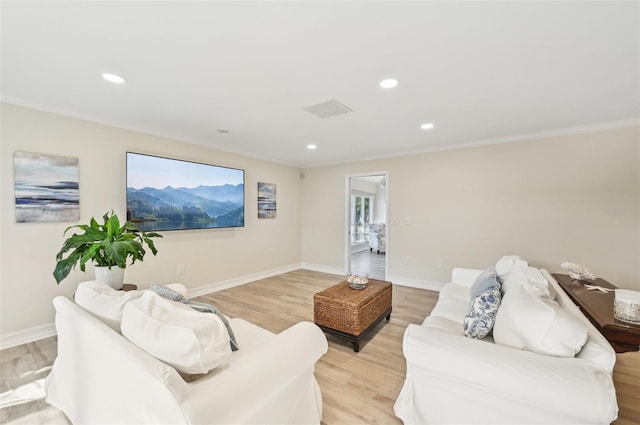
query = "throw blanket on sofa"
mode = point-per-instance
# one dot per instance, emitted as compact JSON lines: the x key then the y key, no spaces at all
{"x":172,"y":295}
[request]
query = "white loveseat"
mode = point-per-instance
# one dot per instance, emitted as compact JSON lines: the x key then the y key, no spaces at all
{"x":452,"y":378}
{"x":100,"y":376}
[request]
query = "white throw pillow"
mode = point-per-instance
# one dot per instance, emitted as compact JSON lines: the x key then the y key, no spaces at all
{"x":179,"y":288}
{"x":521,"y":275}
{"x":506,"y":263}
{"x":528,"y":321}
{"x":104,"y":302}
{"x":190,"y":341}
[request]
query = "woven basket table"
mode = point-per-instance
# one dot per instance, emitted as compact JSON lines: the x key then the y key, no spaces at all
{"x":352,"y":313}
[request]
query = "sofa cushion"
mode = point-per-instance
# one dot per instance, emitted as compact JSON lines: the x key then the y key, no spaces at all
{"x":488,"y":279}
{"x":250,"y":337}
{"x":480,"y":318}
{"x":528,"y":320}
{"x":506,"y":263}
{"x":438,"y":322}
{"x":464,"y":277}
{"x":521,"y":275}
{"x":191,"y":342}
{"x":452,"y":307}
{"x":452,"y":290}
{"x":104,"y":302}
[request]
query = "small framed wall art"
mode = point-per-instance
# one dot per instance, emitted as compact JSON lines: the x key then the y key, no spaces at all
{"x":46,"y":188}
{"x":266,"y":200}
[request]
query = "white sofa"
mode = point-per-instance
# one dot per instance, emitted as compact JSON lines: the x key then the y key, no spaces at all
{"x":452,"y":378}
{"x":100,"y":376}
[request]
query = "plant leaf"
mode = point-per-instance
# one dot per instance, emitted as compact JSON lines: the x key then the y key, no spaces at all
{"x":109,"y":244}
{"x":63,"y":268}
{"x":119,"y":251}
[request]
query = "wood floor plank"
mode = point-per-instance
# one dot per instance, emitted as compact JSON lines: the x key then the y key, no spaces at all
{"x":357,"y":388}
{"x":369,"y":262}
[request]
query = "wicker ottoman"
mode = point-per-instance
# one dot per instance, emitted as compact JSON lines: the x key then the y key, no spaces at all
{"x":351,"y":313}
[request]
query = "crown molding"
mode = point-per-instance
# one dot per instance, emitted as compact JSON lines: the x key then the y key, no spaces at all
{"x":592,"y":128}
{"x":175,"y":138}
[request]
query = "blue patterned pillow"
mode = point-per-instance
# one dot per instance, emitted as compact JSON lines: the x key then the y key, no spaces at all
{"x":485,"y":280}
{"x":479,"y":320}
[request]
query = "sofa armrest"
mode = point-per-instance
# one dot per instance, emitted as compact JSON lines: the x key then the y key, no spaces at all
{"x":101,"y":377}
{"x":263,"y":383}
{"x":464,"y":277}
{"x":552,"y":383}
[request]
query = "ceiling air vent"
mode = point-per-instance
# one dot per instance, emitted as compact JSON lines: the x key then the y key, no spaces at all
{"x":328,"y":109}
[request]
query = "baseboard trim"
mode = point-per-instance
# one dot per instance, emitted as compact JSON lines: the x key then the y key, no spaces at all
{"x":28,"y":335}
{"x":415,"y":283}
{"x":323,"y":269}
{"x":45,"y":331}
{"x":396,"y":280}
{"x":232,"y":283}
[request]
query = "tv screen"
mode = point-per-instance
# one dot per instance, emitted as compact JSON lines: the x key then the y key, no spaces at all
{"x":172,"y":194}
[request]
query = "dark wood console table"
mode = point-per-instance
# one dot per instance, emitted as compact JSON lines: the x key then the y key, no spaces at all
{"x":598,"y":307}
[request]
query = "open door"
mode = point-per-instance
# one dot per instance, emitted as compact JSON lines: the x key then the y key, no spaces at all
{"x":367,"y":238}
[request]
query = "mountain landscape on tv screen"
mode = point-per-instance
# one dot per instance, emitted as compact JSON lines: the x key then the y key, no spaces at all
{"x":186,"y":208}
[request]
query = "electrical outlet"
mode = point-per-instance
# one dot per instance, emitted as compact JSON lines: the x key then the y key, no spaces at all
{"x":438,"y":264}
{"x":181,"y":268}
{"x":407,"y":260}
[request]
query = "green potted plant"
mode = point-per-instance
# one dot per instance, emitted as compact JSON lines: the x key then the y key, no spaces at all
{"x":109,"y":246}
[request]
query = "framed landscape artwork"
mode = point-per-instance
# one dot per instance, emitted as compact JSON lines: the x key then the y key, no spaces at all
{"x":46,"y":188}
{"x":266,"y":200}
{"x":173,"y":194}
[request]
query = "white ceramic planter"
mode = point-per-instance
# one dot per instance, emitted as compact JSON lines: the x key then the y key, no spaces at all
{"x":113,"y":276}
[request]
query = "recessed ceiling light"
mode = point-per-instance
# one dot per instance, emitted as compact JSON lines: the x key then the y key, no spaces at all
{"x":427,"y":126}
{"x":311,"y":147}
{"x":388,"y":83}
{"x":114,"y":78}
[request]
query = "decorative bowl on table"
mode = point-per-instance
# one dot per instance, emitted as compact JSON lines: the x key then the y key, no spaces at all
{"x":626,"y":306}
{"x":358,"y":281}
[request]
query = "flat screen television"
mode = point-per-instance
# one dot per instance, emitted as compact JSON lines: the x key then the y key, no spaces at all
{"x":172,"y":194}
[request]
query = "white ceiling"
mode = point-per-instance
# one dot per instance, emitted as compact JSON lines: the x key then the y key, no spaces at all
{"x":481,"y":71}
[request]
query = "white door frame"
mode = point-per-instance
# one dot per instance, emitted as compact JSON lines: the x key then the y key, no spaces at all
{"x":347,"y":219}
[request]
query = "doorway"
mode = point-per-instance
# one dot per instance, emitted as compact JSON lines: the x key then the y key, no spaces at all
{"x":366,"y":223}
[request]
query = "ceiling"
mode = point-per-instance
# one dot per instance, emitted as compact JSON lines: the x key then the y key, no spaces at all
{"x":481,"y":71}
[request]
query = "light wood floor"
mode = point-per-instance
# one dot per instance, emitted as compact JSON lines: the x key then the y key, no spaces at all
{"x":357,"y":388}
{"x":369,"y":262}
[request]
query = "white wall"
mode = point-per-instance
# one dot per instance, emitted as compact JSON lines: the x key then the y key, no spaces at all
{"x":565,"y":198}
{"x":210,"y":256}
{"x":573,"y":197}
{"x":381,"y":205}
